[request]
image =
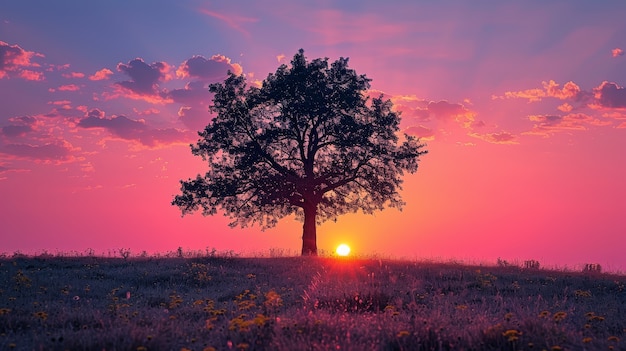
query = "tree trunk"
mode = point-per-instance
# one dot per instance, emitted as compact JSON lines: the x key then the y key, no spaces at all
{"x":309,"y":234}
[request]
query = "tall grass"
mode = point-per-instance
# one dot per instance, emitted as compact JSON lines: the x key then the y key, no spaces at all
{"x":293,"y":303}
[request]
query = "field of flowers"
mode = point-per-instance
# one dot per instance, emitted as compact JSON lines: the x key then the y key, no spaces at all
{"x":295,"y":303}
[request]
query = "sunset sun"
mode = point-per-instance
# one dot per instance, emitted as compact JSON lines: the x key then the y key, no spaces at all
{"x":343,"y":250}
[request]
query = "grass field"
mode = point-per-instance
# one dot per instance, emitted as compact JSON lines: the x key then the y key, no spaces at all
{"x":294,"y":303}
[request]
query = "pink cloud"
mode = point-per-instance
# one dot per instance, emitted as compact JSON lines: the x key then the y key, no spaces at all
{"x":617,"y":52}
{"x":333,"y":27}
{"x":569,"y":91}
{"x":550,"y":89}
{"x":496,"y":138}
{"x":14,"y":59}
{"x":421,"y":132}
{"x":547,"y":124}
{"x":214,"y":69}
{"x":31,"y":75}
{"x":102,"y":74}
{"x":193,"y":117}
{"x":565,"y":107}
{"x":609,"y":95}
{"x":233,"y":21}
{"x":69,"y":87}
{"x":73,"y":75}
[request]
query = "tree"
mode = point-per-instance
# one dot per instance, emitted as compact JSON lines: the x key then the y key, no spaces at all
{"x":307,"y":142}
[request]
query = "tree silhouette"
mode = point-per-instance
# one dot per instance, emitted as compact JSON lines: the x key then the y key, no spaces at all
{"x":307,"y":142}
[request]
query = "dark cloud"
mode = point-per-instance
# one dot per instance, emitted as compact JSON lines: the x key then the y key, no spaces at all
{"x":129,"y":129}
{"x":214,"y":69}
{"x":118,"y":125}
{"x":58,"y":151}
{"x":144,"y":77}
{"x":13,"y":131}
{"x":610,"y":95}
{"x":19,"y":126}
{"x":194,"y":93}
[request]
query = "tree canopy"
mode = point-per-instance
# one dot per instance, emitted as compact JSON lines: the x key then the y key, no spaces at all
{"x":309,"y":141}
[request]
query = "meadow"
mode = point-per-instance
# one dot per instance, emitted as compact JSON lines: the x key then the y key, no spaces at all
{"x":225,"y":302}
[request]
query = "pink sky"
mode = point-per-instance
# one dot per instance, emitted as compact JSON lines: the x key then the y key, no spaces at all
{"x":522,"y":106}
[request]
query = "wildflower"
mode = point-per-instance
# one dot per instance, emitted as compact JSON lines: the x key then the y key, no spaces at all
{"x":142,"y":348}
{"x":403,"y":333}
{"x":242,"y":346}
{"x":461,"y":307}
{"x":544,"y":314}
{"x":12,"y":345}
{"x":556,"y":348}
{"x":250,"y":276}
{"x":582,"y":293}
{"x":508,"y":316}
{"x":209,"y":348}
{"x":41,"y":315}
{"x":76,"y":298}
{"x":512,"y":335}
{"x":128,"y":295}
{"x":273,"y":299}
{"x":587,"y":340}
{"x":613,"y":338}
{"x":260,"y":320}
{"x":4,"y":311}
{"x":559,"y":316}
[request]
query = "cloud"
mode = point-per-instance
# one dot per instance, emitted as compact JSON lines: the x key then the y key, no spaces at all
{"x":102,"y":74}
{"x":135,"y":130}
{"x":14,"y":60}
{"x":32,"y":75}
{"x":69,"y":87}
{"x":444,"y":110}
{"x":194,"y":93}
{"x":548,"y":124}
{"x":617,"y":52}
{"x":194,"y":118}
{"x":19,"y":126}
{"x":144,"y":79}
{"x":73,"y":75}
{"x":13,"y":130}
{"x":550,"y":89}
{"x":496,"y":138}
{"x":233,"y":21}
{"x":421,"y":132}
{"x":213,"y":69}
{"x":609,"y":95}
{"x":60,"y":150}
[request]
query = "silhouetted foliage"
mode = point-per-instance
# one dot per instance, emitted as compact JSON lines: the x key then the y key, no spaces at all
{"x":308,"y":142}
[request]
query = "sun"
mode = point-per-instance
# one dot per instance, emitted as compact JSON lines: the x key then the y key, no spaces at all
{"x":343,"y":250}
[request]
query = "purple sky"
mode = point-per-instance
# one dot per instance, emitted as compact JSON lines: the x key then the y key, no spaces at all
{"x":522,"y":105}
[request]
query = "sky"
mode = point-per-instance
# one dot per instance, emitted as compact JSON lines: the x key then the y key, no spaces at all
{"x":522,"y":106}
